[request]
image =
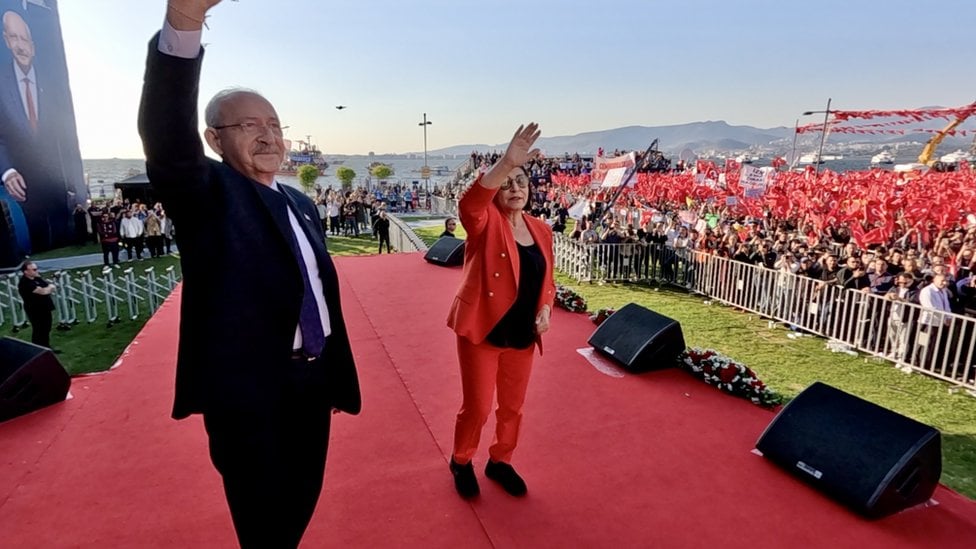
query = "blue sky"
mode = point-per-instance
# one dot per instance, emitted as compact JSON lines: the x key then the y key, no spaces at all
{"x":478,"y":69}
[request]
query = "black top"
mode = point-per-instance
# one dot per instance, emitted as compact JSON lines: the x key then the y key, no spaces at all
{"x":34,"y":303}
{"x":516,"y":330}
{"x":447,"y":233}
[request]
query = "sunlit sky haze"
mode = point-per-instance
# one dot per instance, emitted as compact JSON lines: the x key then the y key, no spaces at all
{"x":478,"y":69}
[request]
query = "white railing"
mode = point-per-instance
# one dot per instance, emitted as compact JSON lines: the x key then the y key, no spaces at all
{"x":634,"y":262}
{"x":443,"y":206}
{"x":87,"y":297}
{"x":402,"y":237}
{"x":937,"y":344}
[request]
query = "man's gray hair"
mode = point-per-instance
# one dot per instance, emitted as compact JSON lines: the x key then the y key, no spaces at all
{"x":211,"y":115}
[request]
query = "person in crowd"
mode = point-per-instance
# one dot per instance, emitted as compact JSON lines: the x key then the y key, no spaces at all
{"x":38,"y":304}
{"x":500,"y":312}
{"x":934,"y":322}
{"x":108,"y":236}
{"x":450,"y":224}
{"x":334,"y":208}
{"x":881,"y":278}
{"x":900,"y":316}
{"x":266,"y":371}
{"x":349,"y":208}
{"x":168,"y":230}
{"x":966,"y":288}
{"x":131,"y":230}
{"x":323,"y":212}
{"x":381,"y":228}
{"x":589,"y":234}
{"x":154,"y":234}
{"x":80,"y":219}
{"x":853,"y":275}
{"x":95,"y":211}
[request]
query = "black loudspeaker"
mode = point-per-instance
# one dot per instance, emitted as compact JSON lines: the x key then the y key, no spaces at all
{"x":447,"y":251}
{"x":30,"y":378}
{"x":639,"y":338}
{"x":869,"y":458}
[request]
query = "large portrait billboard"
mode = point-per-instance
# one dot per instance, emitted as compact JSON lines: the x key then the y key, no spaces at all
{"x":40,"y":163}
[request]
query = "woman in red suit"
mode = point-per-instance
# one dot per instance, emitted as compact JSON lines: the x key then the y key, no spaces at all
{"x":500,"y":312}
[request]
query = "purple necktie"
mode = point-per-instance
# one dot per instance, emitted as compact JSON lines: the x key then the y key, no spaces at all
{"x":309,"y":321}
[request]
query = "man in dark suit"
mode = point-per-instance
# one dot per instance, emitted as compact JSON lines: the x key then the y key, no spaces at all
{"x":263,"y":354}
{"x":40,"y":164}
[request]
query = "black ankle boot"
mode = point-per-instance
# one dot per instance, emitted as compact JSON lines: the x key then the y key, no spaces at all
{"x":505,"y":474}
{"x":464,"y":480}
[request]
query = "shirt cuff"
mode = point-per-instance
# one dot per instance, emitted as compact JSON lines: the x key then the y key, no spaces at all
{"x":185,"y":44}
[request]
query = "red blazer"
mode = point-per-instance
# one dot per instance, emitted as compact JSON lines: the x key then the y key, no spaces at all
{"x":491,"y":265}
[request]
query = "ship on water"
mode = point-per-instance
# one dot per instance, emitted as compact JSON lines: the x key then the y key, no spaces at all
{"x":306,"y":154}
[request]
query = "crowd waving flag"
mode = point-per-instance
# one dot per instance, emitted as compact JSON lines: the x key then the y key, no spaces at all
{"x":872,"y":203}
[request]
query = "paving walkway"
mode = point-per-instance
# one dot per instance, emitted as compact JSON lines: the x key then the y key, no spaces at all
{"x":82,"y":261}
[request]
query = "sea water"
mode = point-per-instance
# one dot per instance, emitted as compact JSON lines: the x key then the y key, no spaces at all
{"x":103,"y":173}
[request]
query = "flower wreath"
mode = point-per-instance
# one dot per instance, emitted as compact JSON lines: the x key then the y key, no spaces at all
{"x":601,"y":316}
{"x":570,"y":300}
{"x":728,"y":375}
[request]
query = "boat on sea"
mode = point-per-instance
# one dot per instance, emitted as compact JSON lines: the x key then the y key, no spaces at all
{"x":811,"y":158}
{"x":436,"y":170}
{"x":301,"y":157}
{"x":745,"y":158}
{"x":956,"y":156}
{"x":883,"y":157}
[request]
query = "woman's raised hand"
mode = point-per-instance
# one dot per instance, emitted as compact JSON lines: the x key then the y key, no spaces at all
{"x":520,"y":149}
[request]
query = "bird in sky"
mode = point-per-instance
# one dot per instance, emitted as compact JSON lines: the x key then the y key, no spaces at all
{"x":340,"y":107}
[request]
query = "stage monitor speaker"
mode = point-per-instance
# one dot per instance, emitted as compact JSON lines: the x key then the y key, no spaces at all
{"x":30,"y":378}
{"x":447,"y":251}
{"x":873,"y":460}
{"x":639,"y":338}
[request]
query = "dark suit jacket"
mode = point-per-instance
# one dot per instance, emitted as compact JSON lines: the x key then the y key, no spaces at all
{"x":242,"y":286}
{"x":48,"y":159}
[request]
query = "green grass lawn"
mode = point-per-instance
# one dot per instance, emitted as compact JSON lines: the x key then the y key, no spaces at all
{"x":94,"y":347}
{"x":790,"y":365}
{"x":430,"y":234}
{"x":351,"y":245}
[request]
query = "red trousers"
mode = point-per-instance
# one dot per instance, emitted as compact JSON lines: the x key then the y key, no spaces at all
{"x":484,"y":368}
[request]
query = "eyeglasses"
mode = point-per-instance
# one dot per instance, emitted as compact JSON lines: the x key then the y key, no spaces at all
{"x":254,"y":128}
{"x":521,"y":180}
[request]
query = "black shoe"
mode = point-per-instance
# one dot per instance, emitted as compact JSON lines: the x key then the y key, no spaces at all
{"x":464,"y":480}
{"x":505,"y":474}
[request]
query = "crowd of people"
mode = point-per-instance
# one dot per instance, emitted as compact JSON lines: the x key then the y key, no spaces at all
{"x":124,"y":225}
{"x":832,"y":254}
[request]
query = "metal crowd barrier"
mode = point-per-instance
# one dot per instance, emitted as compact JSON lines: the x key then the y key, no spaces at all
{"x":937,"y":344}
{"x":630,"y":262}
{"x":87,"y":297}
{"x":443,"y":206}
{"x":402,"y":237}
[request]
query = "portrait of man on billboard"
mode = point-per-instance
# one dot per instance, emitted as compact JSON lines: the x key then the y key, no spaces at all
{"x":40,"y":162}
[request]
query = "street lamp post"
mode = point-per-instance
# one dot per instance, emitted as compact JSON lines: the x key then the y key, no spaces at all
{"x":823,"y":134}
{"x":426,"y":169}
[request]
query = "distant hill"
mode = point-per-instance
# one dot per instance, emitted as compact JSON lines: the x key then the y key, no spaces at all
{"x":702,"y":136}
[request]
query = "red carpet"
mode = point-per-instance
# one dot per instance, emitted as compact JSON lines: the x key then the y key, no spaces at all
{"x":656,"y":460}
